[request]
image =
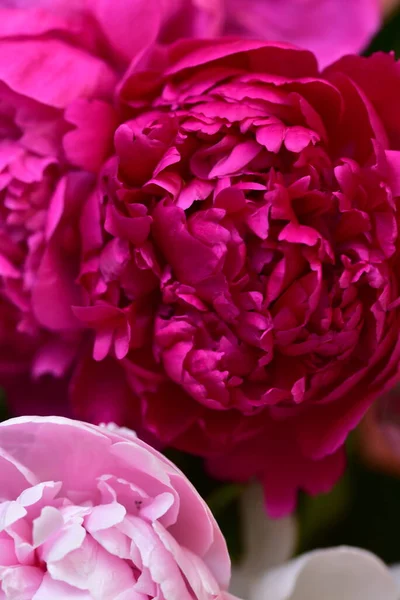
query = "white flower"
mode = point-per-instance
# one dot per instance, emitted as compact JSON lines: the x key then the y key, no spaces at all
{"x":335,"y":574}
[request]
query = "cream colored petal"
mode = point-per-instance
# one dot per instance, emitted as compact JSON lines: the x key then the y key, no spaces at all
{"x":338,"y":573}
{"x":395,"y":571}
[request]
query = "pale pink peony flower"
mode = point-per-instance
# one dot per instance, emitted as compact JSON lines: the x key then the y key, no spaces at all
{"x":92,"y":512}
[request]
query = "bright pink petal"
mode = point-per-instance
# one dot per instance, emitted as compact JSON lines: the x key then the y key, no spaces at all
{"x":53,"y":72}
{"x":322,"y":26}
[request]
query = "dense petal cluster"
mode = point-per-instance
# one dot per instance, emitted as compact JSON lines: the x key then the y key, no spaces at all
{"x":59,"y":65}
{"x":55,"y":87}
{"x":240,"y":262}
{"x":94,"y":513}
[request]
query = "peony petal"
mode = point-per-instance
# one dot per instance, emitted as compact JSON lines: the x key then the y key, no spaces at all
{"x":55,"y":291}
{"x":119,"y":18}
{"x":53,"y":72}
{"x":347,"y":573}
{"x":51,"y":589}
{"x":105,"y":516}
{"x":65,"y":542}
{"x":319,"y":26}
{"x":21,"y":582}
{"x":90,"y":142}
{"x":91,"y":568}
{"x":393,"y":160}
{"x":48,"y":523}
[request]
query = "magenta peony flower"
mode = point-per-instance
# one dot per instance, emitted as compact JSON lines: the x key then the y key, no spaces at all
{"x":55,"y":87}
{"x":240,"y":262}
{"x":53,"y":120}
{"x":93,"y":512}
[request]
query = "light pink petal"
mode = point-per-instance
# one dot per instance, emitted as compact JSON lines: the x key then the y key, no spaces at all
{"x":41,"y":493}
{"x":21,"y":582}
{"x":51,"y":589}
{"x":10,"y":513}
{"x":105,"y":516}
{"x":195,"y":571}
{"x":14,"y":476}
{"x":7,"y":552}
{"x":66,"y":541}
{"x":92,"y":569}
{"x":158,"y":507}
{"x":86,"y":448}
{"x":157,"y":559}
{"x":48,"y":523}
